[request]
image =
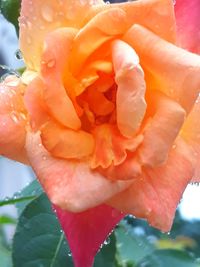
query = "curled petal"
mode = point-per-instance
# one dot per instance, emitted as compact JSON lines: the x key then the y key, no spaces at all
{"x":156,"y":194}
{"x":35,"y":104}
{"x":38,"y":19}
{"x":54,"y":62}
{"x":12,"y":119}
{"x":66,"y":143}
{"x":95,"y":34}
{"x":188,"y":27}
{"x":172,"y":70}
{"x":161,"y":130}
{"x":129,"y":76}
{"x":111,"y":147}
{"x":156,"y":15}
{"x":69,"y":184}
{"x":191,"y":134}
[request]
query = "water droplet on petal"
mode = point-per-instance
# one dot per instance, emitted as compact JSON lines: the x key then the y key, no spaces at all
{"x":14,"y":116}
{"x":174,"y":146}
{"x":18,"y":54}
{"x":28,"y":39}
{"x":47,"y":13}
{"x":51,"y":63}
{"x":22,"y":116}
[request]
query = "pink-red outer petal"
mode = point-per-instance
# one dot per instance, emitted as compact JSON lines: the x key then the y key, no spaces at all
{"x":86,"y":231}
{"x":188,"y":26}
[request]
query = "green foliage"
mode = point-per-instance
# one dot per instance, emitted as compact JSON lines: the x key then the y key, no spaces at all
{"x":5,"y":219}
{"x":5,"y":255}
{"x":11,"y":9}
{"x":167,"y":258}
{"x":14,"y":200}
{"x":39,"y":240}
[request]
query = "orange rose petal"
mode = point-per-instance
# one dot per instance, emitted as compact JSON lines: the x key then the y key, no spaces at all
{"x":129,"y":77}
{"x":111,"y":147}
{"x":54,"y":58}
{"x":156,"y":15}
{"x":90,"y":74}
{"x":98,"y":103}
{"x":65,"y":143}
{"x":70,"y":185}
{"x":35,"y":104}
{"x":191,"y":134}
{"x":38,"y":18}
{"x":157,"y":193}
{"x":175,"y":71}
{"x":94,"y":34}
{"x":161,"y":130}
{"x":12,"y":119}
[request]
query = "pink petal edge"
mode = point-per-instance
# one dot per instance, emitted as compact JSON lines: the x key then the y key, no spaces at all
{"x":188,"y":26}
{"x":86,"y":231}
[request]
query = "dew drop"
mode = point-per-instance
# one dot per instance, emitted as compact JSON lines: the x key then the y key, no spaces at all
{"x":69,"y":254}
{"x":29,"y":40}
{"x":13,"y":83}
{"x":44,"y":157}
{"x":22,"y":116}
{"x":51,"y":63}
{"x":14,"y":116}
{"x":107,"y":241}
{"x":47,"y":13}
{"x":18,"y":54}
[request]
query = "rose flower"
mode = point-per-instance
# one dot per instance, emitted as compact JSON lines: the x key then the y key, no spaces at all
{"x":106,"y":112}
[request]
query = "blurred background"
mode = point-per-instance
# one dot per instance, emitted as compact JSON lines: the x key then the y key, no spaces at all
{"x":185,"y":234}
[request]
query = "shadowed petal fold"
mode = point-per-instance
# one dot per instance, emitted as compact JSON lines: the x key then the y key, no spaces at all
{"x":155,"y":195}
{"x":172,"y":69}
{"x":71,"y":185}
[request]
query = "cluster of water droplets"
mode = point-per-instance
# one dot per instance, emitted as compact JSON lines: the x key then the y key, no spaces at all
{"x":8,"y":71}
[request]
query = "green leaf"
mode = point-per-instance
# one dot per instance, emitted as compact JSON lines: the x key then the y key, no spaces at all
{"x":5,"y":256}
{"x":39,"y":240}
{"x":131,"y":248}
{"x":33,"y":189}
{"x":14,"y":200}
{"x":107,"y":254}
{"x":11,"y":9}
{"x":168,"y":258}
{"x":4,"y":219}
